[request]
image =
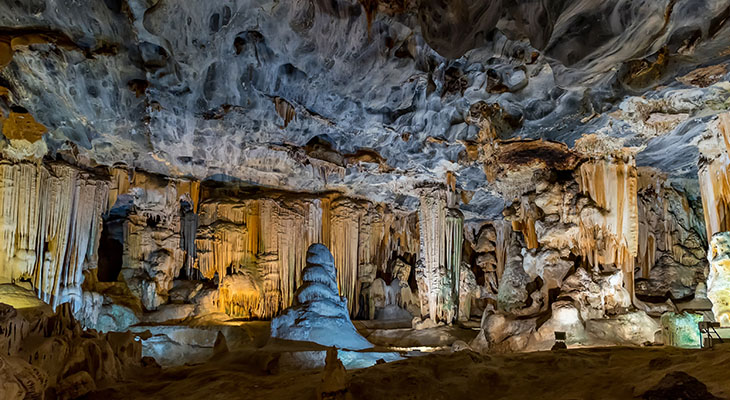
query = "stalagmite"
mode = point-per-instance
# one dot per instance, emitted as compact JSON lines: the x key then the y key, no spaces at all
{"x":319,"y":314}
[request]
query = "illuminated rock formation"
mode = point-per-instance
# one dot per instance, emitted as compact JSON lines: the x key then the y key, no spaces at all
{"x":582,"y":236}
{"x":671,"y":255}
{"x":265,"y":238}
{"x":718,"y":281}
{"x":319,"y":314}
{"x":714,"y":175}
{"x":441,"y":231}
{"x":51,"y":222}
{"x":153,"y":255}
{"x":515,"y":160}
{"x":612,"y":185}
{"x":46,"y":352}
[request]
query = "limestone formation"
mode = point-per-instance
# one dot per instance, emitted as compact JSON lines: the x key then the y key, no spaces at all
{"x":191,"y":166}
{"x":334,"y":379}
{"x":51,"y":222}
{"x":718,"y":281}
{"x":441,"y":241}
{"x":45,"y":352}
{"x":319,"y":314}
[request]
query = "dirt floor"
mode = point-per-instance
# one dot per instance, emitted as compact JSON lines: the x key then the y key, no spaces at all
{"x":581,"y":374}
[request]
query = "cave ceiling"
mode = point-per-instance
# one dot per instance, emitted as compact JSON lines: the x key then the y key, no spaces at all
{"x":374,"y":98}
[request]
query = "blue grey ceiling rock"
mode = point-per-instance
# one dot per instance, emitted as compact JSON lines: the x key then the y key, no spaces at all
{"x":371,"y":98}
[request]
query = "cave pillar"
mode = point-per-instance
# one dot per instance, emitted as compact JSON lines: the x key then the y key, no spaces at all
{"x":441,"y":239}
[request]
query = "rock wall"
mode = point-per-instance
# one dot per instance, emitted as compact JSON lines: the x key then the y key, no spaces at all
{"x":671,"y":255}
{"x":588,"y":238}
{"x":45,"y":354}
{"x":263,"y":240}
{"x":249,"y":245}
{"x":51,"y":222}
{"x":600,"y":248}
{"x":718,"y":281}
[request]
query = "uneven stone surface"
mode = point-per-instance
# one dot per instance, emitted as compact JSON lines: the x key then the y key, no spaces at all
{"x":518,"y":168}
{"x":252,"y":88}
{"x":47,"y":354}
{"x":679,"y":385}
{"x":465,"y":374}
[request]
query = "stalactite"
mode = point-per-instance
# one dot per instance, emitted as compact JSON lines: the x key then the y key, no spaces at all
{"x":612,"y":185}
{"x":240,"y":296}
{"x":188,"y":231}
{"x":526,"y":224}
{"x":270,"y":235}
{"x":714,"y":180}
{"x":503,"y":231}
{"x":51,"y":222}
{"x":121,"y":180}
{"x":454,"y":241}
{"x":224,"y":237}
{"x":344,"y":241}
{"x":656,"y":224}
{"x":441,"y":238}
{"x":431,"y":219}
{"x":714,"y":177}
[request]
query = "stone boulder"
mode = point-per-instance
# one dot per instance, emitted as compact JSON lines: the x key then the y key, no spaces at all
{"x":319,"y":314}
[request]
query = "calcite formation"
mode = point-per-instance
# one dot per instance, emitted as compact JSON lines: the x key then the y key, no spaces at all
{"x":439,"y":274}
{"x":581,"y":238}
{"x":718,"y":280}
{"x":548,"y":167}
{"x":319,"y":314}
{"x":51,"y":222}
{"x":44,"y":353}
{"x":714,"y":176}
{"x":265,"y":239}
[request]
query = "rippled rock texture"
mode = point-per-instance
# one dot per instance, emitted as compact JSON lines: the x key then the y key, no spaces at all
{"x":548,"y":166}
{"x":355,"y":95}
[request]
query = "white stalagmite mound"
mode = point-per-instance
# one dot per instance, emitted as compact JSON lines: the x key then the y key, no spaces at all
{"x":318,"y":313}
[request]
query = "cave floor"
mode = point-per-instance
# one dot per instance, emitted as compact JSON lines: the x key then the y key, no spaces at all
{"x":589,"y":373}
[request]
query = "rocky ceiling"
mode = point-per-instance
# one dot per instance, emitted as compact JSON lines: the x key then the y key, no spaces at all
{"x":374,"y":98}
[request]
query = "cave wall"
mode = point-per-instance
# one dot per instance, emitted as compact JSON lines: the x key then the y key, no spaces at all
{"x":261,"y":241}
{"x":599,"y":248}
{"x":592,"y":236}
{"x":251,"y":242}
{"x":51,"y":224}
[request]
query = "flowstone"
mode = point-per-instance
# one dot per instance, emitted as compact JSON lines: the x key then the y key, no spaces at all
{"x":319,"y":314}
{"x":718,"y":281}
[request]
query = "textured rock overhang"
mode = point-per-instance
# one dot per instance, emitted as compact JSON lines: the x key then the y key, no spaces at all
{"x":369,"y":97}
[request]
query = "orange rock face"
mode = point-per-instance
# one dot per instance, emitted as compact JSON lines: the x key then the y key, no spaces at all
{"x":23,"y":126}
